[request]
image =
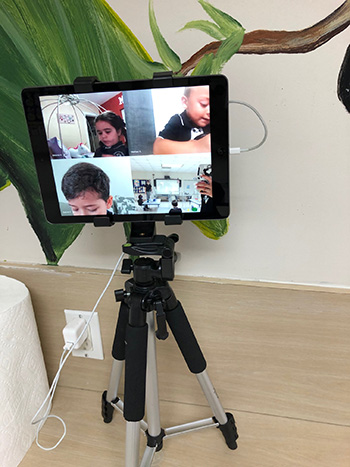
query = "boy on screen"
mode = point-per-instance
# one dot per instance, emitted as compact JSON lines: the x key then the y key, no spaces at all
{"x":188,"y":132}
{"x":86,"y":188}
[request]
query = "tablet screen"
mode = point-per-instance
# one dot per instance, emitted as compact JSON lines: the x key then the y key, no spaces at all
{"x":138,"y":150}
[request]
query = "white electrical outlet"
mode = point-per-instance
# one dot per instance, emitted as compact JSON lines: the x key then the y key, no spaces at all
{"x":92,"y":347}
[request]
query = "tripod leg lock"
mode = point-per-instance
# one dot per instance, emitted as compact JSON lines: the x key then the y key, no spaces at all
{"x":155,"y":441}
{"x":107,"y":409}
{"x":161,"y":332}
{"x":229,"y":431}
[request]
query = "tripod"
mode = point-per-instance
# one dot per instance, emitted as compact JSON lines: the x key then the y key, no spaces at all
{"x":134,"y":347}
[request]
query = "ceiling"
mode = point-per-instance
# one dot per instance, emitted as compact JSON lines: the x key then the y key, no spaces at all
{"x":153,"y":163}
{"x":98,"y":97}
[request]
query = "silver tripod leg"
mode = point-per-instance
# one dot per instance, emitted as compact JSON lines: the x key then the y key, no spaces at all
{"x":214,"y":403}
{"x":152,"y":426}
{"x":155,"y":434}
{"x":212,"y":398}
{"x":114,"y":379}
{"x":132,"y":444}
{"x":152,"y":397}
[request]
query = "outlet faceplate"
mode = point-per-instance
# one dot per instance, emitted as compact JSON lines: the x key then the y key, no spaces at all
{"x":92,"y":347}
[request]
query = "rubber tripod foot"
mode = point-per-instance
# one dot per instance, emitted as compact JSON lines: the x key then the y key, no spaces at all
{"x":107,"y":409}
{"x":229,"y":431}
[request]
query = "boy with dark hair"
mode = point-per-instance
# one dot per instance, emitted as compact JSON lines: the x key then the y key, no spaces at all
{"x":188,"y":132}
{"x":175,"y":208}
{"x":86,"y":188}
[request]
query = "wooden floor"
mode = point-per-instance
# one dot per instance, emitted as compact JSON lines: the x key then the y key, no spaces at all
{"x":265,"y":440}
{"x":278,"y":357}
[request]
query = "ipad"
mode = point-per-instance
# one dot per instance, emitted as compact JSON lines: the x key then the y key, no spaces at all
{"x":141,"y":150}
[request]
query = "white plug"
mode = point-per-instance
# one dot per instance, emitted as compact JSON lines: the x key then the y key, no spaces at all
{"x":72,"y":331}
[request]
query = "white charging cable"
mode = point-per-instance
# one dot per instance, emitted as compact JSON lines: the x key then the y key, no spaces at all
{"x":239,"y":150}
{"x":67,"y":350}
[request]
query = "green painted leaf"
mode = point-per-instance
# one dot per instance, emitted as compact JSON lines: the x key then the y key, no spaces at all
{"x":127,"y":229}
{"x":226,"y":23}
{"x":169,"y":57}
{"x":228,"y":48}
{"x":48,"y":42}
{"x":205,"y":26}
{"x":214,"y":229}
{"x":5,"y":184}
{"x":212,"y":64}
{"x":205,"y":66}
{"x":4,"y":180}
{"x":121,"y":28}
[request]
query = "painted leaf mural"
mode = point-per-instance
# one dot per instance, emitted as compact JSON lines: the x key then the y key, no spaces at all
{"x":209,"y":64}
{"x":46,"y":43}
{"x":169,"y":57}
{"x":43,"y":44}
{"x":4,"y":181}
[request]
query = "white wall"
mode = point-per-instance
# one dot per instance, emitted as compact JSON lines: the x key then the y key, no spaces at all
{"x":290,"y":219}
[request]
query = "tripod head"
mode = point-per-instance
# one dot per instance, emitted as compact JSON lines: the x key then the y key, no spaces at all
{"x":149,"y":276}
{"x":143,"y":241}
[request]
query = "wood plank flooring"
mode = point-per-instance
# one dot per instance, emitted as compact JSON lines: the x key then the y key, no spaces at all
{"x":277,"y":356}
{"x":265,"y":440}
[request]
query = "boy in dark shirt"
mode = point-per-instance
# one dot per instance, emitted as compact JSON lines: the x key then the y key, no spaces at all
{"x":188,"y":132}
{"x":175,"y":208}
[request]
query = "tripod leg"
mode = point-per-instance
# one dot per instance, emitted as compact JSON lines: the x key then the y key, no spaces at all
{"x":152,"y":398}
{"x":110,"y":396}
{"x":155,"y":433}
{"x":196,"y":363}
{"x":132,"y":444}
{"x":114,"y":379}
{"x":118,"y":353}
{"x":226,"y":421}
{"x":186,"y":340}
{"x":134,"y":389}
{"x":135,"y":372}
{"x":212,"y":398}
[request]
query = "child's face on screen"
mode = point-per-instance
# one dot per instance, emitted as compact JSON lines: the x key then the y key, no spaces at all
{"x":197,"y":105}
{"x":107,"y":134}
{"x":89,"y":203}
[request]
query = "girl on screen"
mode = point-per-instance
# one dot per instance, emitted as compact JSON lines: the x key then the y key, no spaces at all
{"x":111,"y":132}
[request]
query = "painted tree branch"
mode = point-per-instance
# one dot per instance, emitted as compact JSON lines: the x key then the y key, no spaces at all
{"x":291,"y":42}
